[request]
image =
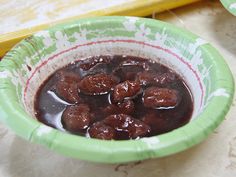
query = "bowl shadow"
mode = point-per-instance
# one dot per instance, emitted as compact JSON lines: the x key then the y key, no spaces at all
{"x":31,"y":160}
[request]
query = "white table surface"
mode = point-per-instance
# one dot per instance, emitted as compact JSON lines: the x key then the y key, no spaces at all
{"x":215,"y":157}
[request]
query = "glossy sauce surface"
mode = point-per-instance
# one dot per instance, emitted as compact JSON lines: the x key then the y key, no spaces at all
{"x":114,"y":97}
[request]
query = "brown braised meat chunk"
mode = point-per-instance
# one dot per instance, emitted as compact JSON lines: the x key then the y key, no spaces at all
{"x":152,"y":78}
{"x":125,"y":123}
{"x":155,"y":97}
{"x":128,"y":69}
{"x":158,"y":124}
{"x":124,"y":90}
{"x":76,"y":118}
{"x":139,"y":129}
{"x":91,"y":62}
{"x":166,"y":78}
{"x":125,"y":107}
{"x":97,"y":84}
{"x":66,"y":86}
{"x":101,"y":131}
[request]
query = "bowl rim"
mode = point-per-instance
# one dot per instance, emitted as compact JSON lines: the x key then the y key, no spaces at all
{"x":230,"y":6}
{"x":127,"y":150}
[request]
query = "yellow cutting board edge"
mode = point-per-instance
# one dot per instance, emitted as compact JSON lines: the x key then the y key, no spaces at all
{"x":138,"y":8}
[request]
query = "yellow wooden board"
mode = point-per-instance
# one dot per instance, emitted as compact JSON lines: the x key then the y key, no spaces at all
{"x":21,"y":18}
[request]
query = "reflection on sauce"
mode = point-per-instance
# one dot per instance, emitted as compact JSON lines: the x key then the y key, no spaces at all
{"x":114,"y":97}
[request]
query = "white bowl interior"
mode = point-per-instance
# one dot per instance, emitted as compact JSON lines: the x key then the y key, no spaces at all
{"x":167,"y":58}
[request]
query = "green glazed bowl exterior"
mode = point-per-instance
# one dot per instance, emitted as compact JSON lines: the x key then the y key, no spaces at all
{"x":230,"y":5}
{"x":31,"y":61}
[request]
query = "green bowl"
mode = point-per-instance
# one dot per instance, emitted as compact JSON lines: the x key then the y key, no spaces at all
{"x":31,"y":61}
{"x":230,"y":5}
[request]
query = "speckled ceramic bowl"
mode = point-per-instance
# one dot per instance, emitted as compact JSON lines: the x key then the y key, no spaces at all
{"x":31,"y":61}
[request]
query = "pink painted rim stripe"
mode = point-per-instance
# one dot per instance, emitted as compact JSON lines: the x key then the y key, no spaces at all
{"x":115,"y":41}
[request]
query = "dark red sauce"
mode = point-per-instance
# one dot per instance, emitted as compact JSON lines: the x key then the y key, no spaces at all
{"x":114,"y":97}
